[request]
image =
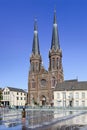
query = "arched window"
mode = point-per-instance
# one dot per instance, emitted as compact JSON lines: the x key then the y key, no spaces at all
{"x":43,"y":82}
{"x":53,"y":82}
{"x":53,"y":63}
{"x":60,"y":63}
{"x":33,"y":83}
{"x":36,"y":66}
{"x":57,"y":63}
{"x":32,"y":67}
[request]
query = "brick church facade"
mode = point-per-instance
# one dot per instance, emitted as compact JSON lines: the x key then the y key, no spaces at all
{"x":42,"y":82}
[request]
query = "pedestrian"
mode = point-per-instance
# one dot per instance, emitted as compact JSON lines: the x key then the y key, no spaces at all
{"x":23,"y":115}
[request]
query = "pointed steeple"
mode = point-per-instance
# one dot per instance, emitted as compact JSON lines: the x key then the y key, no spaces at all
{"x":55,"y":21}
{"x":35,"y":47}
{"x":55,"y":38}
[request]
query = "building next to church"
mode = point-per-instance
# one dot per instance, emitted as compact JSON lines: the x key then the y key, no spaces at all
{"x":14,"y":97}
{"x":71,"y":93}
{"x":42,"y":82}
{"x":1,"y":97}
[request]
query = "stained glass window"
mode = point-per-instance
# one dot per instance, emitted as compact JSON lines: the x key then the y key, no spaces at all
{"x":43,"y":82}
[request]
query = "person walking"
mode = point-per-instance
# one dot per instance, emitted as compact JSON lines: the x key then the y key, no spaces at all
{"x":23,"y":115}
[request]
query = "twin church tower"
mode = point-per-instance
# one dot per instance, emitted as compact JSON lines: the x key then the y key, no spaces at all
{"x":42,"y":82}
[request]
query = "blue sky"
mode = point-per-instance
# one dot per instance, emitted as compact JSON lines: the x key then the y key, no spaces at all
{"x":16,"y":37}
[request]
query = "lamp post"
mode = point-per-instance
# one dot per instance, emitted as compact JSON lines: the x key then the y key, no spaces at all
{"x":64,"y":98}
{"x":13,"y":99}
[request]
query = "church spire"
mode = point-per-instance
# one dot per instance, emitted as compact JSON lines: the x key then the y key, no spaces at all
{"x":55,"y":38}
{"x":35,"y":48}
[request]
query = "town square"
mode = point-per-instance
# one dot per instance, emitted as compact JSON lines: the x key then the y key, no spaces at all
{"x":43,"y":81}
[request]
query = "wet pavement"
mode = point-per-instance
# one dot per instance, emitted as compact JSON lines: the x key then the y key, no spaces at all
{"x":43,"y":119}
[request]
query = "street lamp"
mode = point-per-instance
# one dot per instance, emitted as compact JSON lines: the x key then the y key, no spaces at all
{"x":64,"y":98}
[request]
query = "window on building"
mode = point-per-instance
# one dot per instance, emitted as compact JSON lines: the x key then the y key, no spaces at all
{"x":83,"y":95}
{"x":17,"y":93}
{"x":21,"y":93}
{"x":24,"y":98}
{"x":36,"y":66}
{"x":8,"y":92}
{"x":58,"y":95}
{"x":21,"y":98}
{"x":77,"y":95}
{"x":57,"y":63}
{"x":53,"y":82}
{"x":43,"y":82}
{"x":83,"y":103}
{"x":64,"y":95}
{"x":70,"y":94}
{"x":60,"y":61}
{"x":53,"y":63}
{"x":77,"y":103}
{"x":33,"y":83}
{"x":17,"y":98}
{"x":32,"y":67}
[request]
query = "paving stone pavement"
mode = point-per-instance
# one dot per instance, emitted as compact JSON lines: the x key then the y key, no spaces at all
{"x":43,"y":120}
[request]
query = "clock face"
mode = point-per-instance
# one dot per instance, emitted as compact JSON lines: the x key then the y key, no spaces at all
{"x":43,"y":82}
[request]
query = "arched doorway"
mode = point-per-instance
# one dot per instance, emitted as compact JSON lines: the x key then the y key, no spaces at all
{"x":43,"y":99}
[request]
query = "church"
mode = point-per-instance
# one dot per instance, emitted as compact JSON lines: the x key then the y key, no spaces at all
{"x":42,"y":82}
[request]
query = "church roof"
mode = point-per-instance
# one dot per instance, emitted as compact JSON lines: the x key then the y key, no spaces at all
{"x":35,"y":47}
{"x":71,"y":86}
{"x":55,"y":37}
